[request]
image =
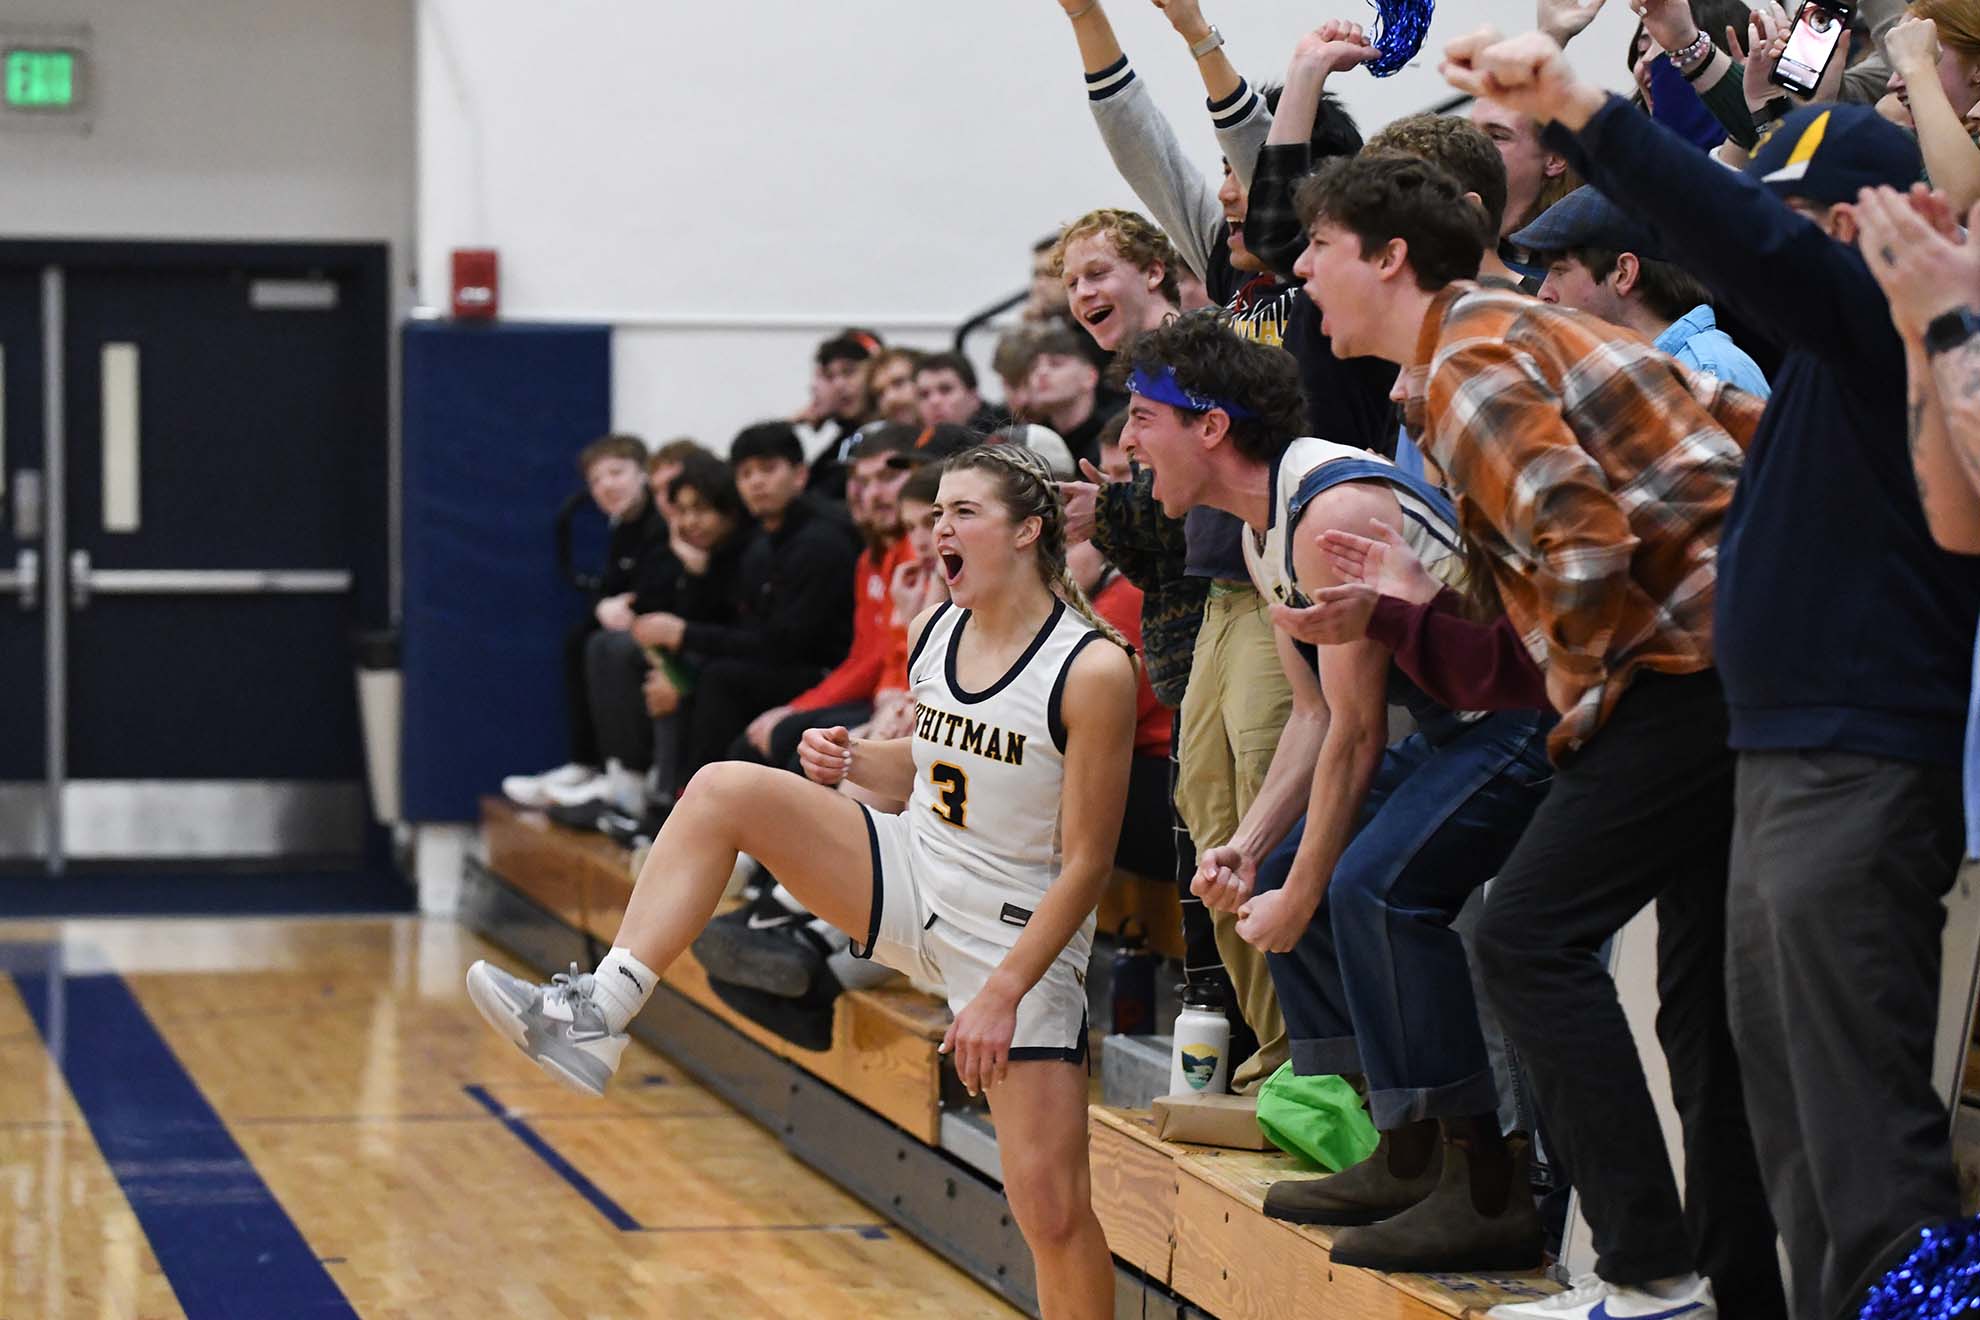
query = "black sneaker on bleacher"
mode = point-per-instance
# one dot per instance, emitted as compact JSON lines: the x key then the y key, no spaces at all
{"x":765,"y":947}
{"x":805,"y":1022}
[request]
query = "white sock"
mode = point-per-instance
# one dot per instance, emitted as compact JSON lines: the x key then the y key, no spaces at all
{"x":622,"y":984}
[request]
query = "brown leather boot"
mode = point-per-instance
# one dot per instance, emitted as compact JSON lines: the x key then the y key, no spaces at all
{"x":1449,"y":1231}
{"x":1366,"y":1194}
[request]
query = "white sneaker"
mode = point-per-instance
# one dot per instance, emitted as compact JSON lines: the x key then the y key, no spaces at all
{"x":534,"y":790}
{"x":559,"y":1026}
{"x":589,"y":789}
{"x":1589,"y":1298}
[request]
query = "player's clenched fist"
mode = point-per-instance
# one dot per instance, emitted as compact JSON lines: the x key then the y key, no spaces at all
{"x":826,"y":754}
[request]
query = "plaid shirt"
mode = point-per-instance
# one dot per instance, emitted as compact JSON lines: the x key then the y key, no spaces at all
{"x":1596,"y":472}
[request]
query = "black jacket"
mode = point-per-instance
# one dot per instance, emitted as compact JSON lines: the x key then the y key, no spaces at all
{"x":794,"y":593}
{"x":630,"y":541}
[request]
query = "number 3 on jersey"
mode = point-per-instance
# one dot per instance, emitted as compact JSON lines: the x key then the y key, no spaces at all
{"x":951,"y":793}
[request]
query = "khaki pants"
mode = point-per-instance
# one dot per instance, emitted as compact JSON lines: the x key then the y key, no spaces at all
{"x":1237,"y":705}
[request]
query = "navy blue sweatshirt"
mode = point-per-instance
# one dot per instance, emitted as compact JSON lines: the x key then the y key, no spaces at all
{"x":1839,"y":624}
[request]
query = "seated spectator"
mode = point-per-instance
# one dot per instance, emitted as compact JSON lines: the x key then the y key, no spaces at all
{"x":614,"y":470}
{"x":1601,"y":262}
{"x":794,"y":601}
{"x":638,"y":699}
{"x":881,"y":463}
{"x":890,"y":387}
{"x":838,"y":407}
{"x":1148,"y":845}
{"x":616,"y":664}
{"x":1062,"y":391}
{"x":945,"y":390}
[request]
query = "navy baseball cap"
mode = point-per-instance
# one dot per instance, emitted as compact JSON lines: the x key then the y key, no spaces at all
{"x":1586,"y":219}
{"x":1828,"y":153}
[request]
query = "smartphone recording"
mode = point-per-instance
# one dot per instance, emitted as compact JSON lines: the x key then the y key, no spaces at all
{"x":1812,"y":43}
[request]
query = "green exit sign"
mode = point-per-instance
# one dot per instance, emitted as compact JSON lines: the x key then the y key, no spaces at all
{"x":41,"y":79}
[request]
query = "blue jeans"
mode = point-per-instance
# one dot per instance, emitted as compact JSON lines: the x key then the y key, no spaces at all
{"x":1378,"y":984}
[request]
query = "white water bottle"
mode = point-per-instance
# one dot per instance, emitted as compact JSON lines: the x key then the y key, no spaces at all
{"x":1199,"y":1063}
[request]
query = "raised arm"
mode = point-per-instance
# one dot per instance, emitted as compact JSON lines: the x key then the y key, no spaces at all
{"x":1952,"y":162}
{"x":1141,"y":143}
{"x":1271,"y":227}
{"x":1785,"y":274}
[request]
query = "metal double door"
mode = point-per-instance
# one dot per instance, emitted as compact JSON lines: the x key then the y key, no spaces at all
{"x":193,"y":450}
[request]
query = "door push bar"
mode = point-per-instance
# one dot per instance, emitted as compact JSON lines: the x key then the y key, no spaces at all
{"x":86,"y":581}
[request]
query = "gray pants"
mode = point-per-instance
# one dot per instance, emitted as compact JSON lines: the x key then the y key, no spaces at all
{"x":1840,"y":864}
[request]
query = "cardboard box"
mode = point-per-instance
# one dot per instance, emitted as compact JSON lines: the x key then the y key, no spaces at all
{"x":1210,"y":1120}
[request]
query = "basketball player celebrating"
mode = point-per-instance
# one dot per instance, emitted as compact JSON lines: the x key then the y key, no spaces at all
{"x":1016,"y":778}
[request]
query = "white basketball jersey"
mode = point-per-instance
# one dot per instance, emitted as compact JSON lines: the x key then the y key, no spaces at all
{"x":1269,"y":557}
{"x":988,"y":769}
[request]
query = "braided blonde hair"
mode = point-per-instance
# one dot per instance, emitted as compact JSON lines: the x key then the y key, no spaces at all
{"x":1027,"y":489}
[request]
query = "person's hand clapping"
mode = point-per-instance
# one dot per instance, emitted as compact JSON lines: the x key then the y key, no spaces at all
{"x":1384,"y":562}
{"x":1924,"y":271}
{"x":826,"y":755}
{"x":1338,"y":615}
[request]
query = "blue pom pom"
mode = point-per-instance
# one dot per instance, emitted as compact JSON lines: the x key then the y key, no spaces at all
{"x":1400,"y":27}
{"x":1938,"y":1280}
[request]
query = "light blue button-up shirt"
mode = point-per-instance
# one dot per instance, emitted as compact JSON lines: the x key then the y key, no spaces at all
{"x":1696,"y":340}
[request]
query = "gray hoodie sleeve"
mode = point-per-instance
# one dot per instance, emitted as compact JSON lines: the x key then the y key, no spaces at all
{"x":1145,"y":151}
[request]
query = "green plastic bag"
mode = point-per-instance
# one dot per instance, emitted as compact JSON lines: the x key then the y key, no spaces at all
{"x":1319,"y":1119}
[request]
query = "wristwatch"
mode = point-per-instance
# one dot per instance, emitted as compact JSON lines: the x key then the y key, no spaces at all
{"x":1776,"y":108}
{"x":1951,"y":330}
{"x":1208,"y":44}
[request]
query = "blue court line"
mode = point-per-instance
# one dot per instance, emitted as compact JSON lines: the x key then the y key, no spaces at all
{"x":614,"y":1213}
{"x":225,"y":1244}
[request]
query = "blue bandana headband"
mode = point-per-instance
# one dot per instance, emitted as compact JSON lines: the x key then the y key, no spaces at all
{"x":1162,"y":387}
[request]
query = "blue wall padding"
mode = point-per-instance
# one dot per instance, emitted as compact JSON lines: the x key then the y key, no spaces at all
{"x":494,"y":419}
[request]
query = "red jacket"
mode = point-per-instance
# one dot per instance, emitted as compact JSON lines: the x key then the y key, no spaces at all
{"x":857,"y":677}
{"x":1119,"y":603}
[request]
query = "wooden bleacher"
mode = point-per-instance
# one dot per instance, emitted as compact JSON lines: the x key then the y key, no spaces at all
{"x":1193,"y":1219}
{"x":1189,"y":1217}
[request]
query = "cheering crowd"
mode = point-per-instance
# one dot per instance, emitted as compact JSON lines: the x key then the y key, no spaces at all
{"x":1632,"y":446}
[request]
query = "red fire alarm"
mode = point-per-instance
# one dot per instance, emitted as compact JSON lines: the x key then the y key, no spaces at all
{"x":477,"y":284}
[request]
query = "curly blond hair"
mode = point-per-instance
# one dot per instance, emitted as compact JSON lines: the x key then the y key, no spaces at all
{"x":1135,"y":240}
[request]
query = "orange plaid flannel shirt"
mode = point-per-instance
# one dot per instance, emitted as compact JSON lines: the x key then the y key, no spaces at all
{"x":1595,"y":471}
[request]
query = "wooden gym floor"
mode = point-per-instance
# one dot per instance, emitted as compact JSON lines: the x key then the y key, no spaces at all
{"x":271,"y":1118}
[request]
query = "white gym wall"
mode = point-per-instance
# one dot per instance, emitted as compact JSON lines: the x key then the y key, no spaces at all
{"x":726,"y":184}
{"x":227,"y":119}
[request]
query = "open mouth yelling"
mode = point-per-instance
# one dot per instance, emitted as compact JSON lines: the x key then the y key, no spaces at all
{"x":1095,"y":315}
{"x":952,"y":565}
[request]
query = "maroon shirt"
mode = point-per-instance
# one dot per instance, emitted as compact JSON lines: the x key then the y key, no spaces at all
{"x":1464,"y":664}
